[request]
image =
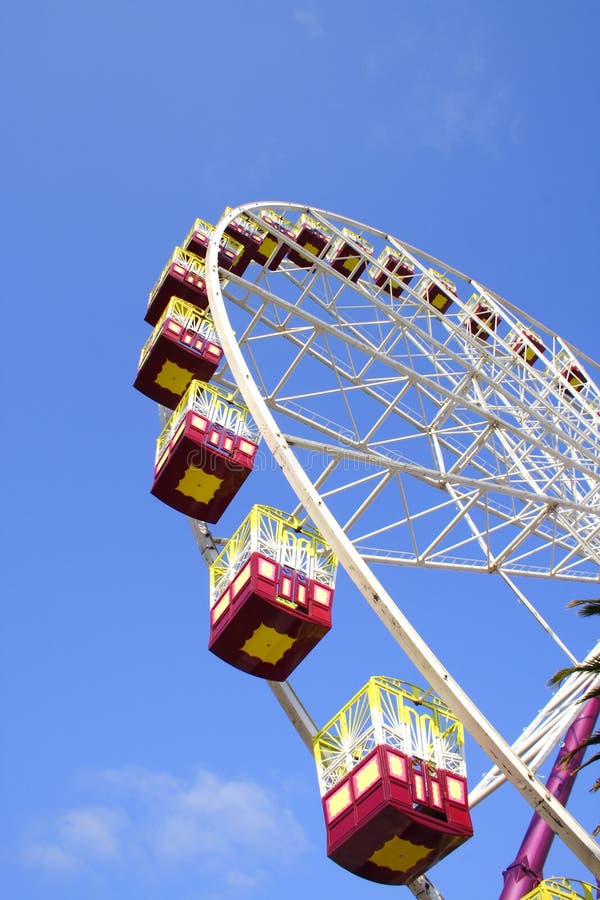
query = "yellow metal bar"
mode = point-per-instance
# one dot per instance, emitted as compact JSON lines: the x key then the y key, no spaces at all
{"x":561,"y":889}
{"x":200,"y":321}
{"x":275,"y":534}
{"x":474,"y":300}
{"x":214,"y":404}
{"x":207,"y":228}
{"x":445,"y":281}
{"x":202,"y":226}
{"x":353,"y":236}
{"x":392,"y":275}
{"x":277,"y":217}
{"x":417,"y":720}
{"x":383,"y":257}
{"x":248,"y":225}
{"x":188,"y":261}
{"x":395,"y":254}
{"x":311,"y":222}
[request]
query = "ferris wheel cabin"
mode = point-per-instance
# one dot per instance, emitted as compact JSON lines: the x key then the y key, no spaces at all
{"x":183,"y":346}
{"x":272,"y":252}
{"x":480,"y":318}
{"x":345,"y":259}
{"x":183,"y":277}
{"x":528,"y":345}
{"x":271,"y":593}
{"x":249,"y":234}
{"x":574,"y":377}
{"x":393,"y":782}
{"x":231,"y":254}
{"x":437,"y":291}
{"x":313,"y":236}
{"x":399,"y":266}
{"x":204,"y":453}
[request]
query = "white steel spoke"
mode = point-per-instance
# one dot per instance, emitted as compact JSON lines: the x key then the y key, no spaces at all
{"x":394,"y":400}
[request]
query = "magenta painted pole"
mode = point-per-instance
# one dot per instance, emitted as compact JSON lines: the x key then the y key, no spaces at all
{"x":525,"y":872}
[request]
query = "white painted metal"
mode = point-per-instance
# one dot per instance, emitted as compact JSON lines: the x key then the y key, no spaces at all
{"x":532,"y":487}
{"x":538,"y":739}
{"x":471,"y":422}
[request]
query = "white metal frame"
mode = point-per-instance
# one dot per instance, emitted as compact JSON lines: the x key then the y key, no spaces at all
{"x":513,"y":452}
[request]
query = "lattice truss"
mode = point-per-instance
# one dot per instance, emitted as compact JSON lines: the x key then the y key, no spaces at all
{"x":280,"y":537}
{"x":435,"y":443}
{"x":208,"y":402}
{"x":186,"y":315}
{"x":395,"y":714}
{"x":537,"y":741}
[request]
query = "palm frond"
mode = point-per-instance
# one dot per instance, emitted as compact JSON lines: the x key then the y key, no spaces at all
{"x":586,"y":607}
{"x":589,"y":665}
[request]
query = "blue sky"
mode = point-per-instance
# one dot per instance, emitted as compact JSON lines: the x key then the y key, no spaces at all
{"x":135,"y":764}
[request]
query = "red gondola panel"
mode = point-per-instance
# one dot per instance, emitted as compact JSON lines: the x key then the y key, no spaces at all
{"x":345,"y":259}
{"x":392,"y":817}
{"x":272,"y":252}
{"x":312,"y":235}
{"x":529,"y":346}
{"x":440,"y":298}
{"x":249,"y":234}
{"x":201,"y":463}
{"x":269,"y":618}
{"x":183,"y":346}
{"x":573,"y":375}
{"x":183,"y":277}
{"x":399,"y":266}
{"x":483,"y":315}
{"x":231,"y":254}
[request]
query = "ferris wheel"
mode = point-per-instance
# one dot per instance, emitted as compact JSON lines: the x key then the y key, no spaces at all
{"x":420,"y":420}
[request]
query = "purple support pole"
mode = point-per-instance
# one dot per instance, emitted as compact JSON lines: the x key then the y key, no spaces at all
{"x":525,"y":872}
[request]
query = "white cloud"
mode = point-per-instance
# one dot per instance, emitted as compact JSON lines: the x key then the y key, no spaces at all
{"x":233,"y":830}
{"x":77,"y":837}
{"x":467,"y":115}
{"x":308,"y":18}
{"x":93,"y":832}
{"x":152,"y":787}
{"x":444,"y":102}
{"x":222,"y":819}
{"x":241,"y":881}
{"x":50,"y":857}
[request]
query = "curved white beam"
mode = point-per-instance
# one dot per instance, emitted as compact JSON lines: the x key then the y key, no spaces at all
{"x":431,"y":668}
